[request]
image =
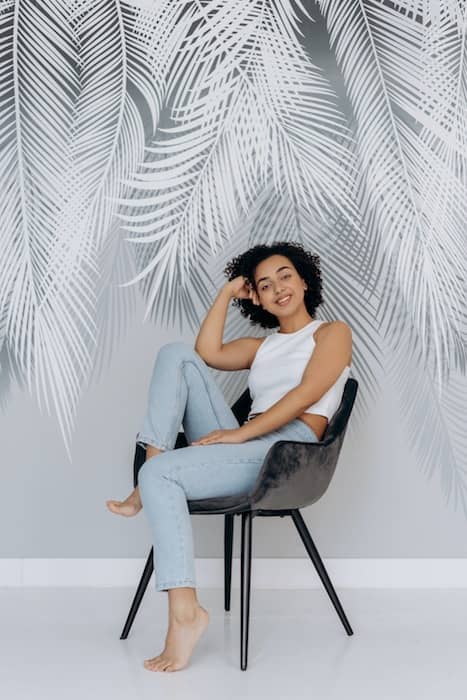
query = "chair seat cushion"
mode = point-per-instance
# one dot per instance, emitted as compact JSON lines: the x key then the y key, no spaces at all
{"x":237,"y":503}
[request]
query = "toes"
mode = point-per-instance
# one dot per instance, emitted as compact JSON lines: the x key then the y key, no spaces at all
{"x":163,"y":664}
{"x":159,"y":663}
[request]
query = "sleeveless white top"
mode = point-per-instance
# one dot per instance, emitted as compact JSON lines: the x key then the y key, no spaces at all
{"x":279,"y":365}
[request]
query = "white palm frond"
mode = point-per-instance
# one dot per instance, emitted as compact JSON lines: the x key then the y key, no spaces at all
{"x":38,"y":88}
{"x":116,"y":75}
{"x":115,"y":307}
{"x":3,"y":337}
{"x":70,"y":132}
{"x":432,"y":11}
{"x":308,"y":135}
{"x":434,"y":425}
{"x":249,"y":104}
{"x":105,"y":116}
{"x":385,"y":150}
{"x":454,"y":405}
{"x":435,"y":153}
{"x":191,"y":164}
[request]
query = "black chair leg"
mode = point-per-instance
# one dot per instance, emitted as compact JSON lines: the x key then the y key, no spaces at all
{"x":140,"y":591}
{"x":228,"y":548}
{"x":245,"y":585}
{"x":319,"y":566}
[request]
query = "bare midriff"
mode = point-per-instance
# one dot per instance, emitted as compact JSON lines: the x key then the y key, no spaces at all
{"x":317,"y":423}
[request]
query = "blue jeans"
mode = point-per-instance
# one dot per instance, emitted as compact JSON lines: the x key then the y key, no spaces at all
{"x":183,"y":391}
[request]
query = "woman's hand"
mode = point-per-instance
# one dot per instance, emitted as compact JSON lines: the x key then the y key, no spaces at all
{"x":231,"y":435}
{"x":240,"y":288}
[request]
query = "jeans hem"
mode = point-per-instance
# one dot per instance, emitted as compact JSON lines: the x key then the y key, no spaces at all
{"x":144,"y":440}
{"x":188,"y":583}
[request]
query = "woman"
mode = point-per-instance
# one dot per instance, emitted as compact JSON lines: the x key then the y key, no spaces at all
{"x":296,"y":380}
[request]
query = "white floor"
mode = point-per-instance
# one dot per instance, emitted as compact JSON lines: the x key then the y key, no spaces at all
{"x":407,"y":644}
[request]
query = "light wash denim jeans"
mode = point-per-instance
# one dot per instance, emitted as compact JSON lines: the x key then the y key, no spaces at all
{"x":183,"y":391}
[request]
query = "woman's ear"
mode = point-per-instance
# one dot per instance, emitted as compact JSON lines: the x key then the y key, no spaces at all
{"x":254,"y":297}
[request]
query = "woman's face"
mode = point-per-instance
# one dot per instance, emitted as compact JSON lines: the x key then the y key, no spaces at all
{"x":276,"y":278}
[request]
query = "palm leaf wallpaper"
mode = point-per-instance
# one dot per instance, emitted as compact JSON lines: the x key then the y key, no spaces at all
{"x":144,"y":144}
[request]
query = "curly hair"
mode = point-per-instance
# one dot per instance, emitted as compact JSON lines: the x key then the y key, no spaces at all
{"x":307,"y":265}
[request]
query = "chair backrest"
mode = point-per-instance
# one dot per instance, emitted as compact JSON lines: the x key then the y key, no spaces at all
{"x":296,"y":474}
{"x":241,"y":407}
{"x":339,"y":420}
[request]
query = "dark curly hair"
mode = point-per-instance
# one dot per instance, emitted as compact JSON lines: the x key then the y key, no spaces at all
{"x":306,"y":264}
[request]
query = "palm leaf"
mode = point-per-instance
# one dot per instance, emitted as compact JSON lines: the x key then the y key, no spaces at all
{"x":234,"y":118}
{"x":60,"y":191}
{"x":385,"y":150}
{"x":115,"y":308}
{"x":36,"y":103}
{"x":434,"y":153}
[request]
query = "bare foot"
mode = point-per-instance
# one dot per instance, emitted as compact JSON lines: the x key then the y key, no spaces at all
{"x":179,"y":643}
{"x":130,"y":506}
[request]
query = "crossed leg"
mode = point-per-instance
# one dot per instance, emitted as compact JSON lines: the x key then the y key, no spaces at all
{"x":187,"y":618}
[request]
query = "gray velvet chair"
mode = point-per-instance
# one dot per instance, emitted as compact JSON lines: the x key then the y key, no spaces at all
{"x":293,"y":475}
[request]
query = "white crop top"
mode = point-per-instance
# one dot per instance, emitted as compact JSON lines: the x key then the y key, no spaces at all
{"x":279,"y":365}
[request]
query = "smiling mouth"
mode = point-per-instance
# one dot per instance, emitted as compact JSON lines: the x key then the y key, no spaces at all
{"x":284,"y":301}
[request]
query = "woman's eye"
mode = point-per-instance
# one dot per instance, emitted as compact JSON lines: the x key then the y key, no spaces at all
{"x":284,"y":277}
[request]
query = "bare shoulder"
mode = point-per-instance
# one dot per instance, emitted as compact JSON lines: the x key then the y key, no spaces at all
{"x":338,"y":330}
{"x":334,"y":327}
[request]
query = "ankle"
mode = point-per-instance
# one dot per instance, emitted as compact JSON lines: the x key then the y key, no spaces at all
{"x":134,"y":496}
{"x":184,"y":615}
{"x":152,"y":451}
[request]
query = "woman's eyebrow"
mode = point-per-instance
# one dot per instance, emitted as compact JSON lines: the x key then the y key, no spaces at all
{"x":278,"y":270}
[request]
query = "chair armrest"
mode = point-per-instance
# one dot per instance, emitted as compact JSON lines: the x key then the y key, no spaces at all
{"x":295,"y":474}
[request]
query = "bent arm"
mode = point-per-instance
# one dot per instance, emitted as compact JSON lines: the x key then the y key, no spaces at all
{"x":290,"y":406}
{"x":331,"y":354}
{"x":208,"y":342}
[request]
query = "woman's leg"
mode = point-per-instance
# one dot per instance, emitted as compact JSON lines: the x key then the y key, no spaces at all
{"x":132,"y":503}
{"x":181,"y":390}
{"x":172,"y":478}
{"x":167,"y":482}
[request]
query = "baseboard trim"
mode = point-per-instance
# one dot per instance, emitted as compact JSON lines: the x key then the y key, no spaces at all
{"x":265,"y":573}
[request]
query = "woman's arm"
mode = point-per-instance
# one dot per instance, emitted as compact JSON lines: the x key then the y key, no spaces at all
{"x":208,"y":343}
{"x":333,"y":352}
{"x":290,"y":406}
{"x":209,"y":339}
